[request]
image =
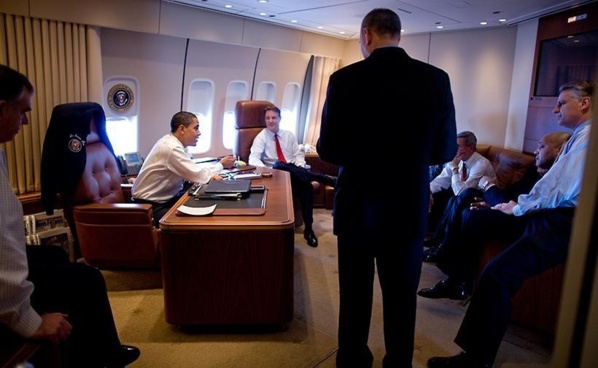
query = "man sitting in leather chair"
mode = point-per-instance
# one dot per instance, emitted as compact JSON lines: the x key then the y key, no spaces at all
{"x":278,"y":149}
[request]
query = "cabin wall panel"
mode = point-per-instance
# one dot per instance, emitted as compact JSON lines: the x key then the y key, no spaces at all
{"x":156,"y":62}
{"x":480,"y":66}
{"x":133,"y":15}
{"x":15,"y":7}
{"x":188,"y":22}
{"x":259,"y":34}
{"x":221,"y":64}
{"x":281,"y":68}
{"x":315,"y":44}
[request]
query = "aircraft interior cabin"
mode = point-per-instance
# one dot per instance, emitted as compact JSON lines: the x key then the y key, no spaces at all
{"x":237,"y":276}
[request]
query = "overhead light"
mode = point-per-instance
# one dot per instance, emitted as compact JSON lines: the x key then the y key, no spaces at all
{"x":228,"y":6}
{"x":502,"y":20}
{"x":262,"y":1}
{"x":320,"y":27}
{"x":263,"y":14}
{"x":440,"y":26}
{"x":483,"y":22}
{"x":293,"y":20}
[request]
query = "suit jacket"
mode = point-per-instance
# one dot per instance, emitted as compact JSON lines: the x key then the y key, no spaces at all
{"x":64,"y":155}
{"x":395,"y":113}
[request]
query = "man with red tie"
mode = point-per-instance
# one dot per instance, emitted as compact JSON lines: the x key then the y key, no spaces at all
{"x":278,"y":148}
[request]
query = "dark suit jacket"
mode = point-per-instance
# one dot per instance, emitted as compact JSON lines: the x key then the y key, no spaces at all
{"x":395,"y":114}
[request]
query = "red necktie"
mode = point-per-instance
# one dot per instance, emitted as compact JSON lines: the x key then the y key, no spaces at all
{"x":279,"y":149}
{"x":464,"y":173}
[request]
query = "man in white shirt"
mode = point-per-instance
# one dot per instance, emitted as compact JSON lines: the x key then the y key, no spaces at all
{"x":44,"y":296}
{"x":464,"y":171}
{"x":546,"y":219}
{"x":278,"y":149}
{"x":161,"y":179}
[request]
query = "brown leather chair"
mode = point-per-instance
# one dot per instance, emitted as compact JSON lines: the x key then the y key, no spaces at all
{"x":109,"y":233}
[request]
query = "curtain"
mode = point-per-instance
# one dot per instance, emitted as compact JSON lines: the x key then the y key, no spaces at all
{"x":63,"y":62}
{"x":322,"y":68}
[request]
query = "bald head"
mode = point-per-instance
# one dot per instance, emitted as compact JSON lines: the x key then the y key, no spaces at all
{"x":549,"y":147}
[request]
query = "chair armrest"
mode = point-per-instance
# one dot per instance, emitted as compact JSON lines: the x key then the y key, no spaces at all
{"x":114,"y":213}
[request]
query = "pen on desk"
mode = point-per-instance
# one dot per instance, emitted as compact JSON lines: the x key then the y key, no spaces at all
{"x":197,"y":190}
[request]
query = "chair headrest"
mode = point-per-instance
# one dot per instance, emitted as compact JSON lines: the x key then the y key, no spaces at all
{"x":250,"y":113}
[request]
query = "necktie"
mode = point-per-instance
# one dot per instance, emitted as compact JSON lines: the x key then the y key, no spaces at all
{"x":464,"y":173}
{"x":279,"y":149}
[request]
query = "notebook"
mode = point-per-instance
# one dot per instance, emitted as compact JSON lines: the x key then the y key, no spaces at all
{"x":228,"y":186}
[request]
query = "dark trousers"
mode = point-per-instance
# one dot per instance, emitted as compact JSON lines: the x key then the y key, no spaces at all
{"x":399,"y":268}
{"x":79,"y":291}
{"x":543,"y":245}
{"x":462,"y":246}
{"x":441,"y":200}
{"x":160,"y":208}
{"x":302,"y":188}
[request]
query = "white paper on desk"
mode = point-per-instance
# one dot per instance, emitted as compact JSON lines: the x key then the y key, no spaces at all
{"x":197,"y":211}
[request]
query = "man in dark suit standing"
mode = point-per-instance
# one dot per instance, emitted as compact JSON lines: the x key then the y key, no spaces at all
{"x":405,"y":99}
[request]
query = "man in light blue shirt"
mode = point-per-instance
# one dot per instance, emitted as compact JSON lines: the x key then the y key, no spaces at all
{"x":548,"y":212}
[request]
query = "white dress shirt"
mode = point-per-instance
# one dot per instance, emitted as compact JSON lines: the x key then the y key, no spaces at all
{"x":263,"y":150}
{"x":477,"y":167}
{"x":15,"y":290}
{"x":561,"y":185}
{"x":165,"y":169}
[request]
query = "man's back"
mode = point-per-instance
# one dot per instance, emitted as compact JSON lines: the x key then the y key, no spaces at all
{"x":381,"y":100}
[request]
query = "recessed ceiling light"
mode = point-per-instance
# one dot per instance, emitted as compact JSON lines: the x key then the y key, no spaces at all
{"x":320,"y":27}
{"x":228,"y":6}
{"x":502,"y":20}
{"x":440,"y":26}
{"x":293,"y":20}
{"x":263,"y":14}
{"x":342,"y":32}
{"x":483,"y":22}
{"x":262,"y":1}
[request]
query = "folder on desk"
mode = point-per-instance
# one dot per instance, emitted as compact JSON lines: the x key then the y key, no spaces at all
{"x":228,"y":186}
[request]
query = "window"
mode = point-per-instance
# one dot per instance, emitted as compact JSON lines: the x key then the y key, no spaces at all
{"x":201,"y":100}
{"x":122,"y":111}
{"x":290,"y":108}
{"x":236,"y":90}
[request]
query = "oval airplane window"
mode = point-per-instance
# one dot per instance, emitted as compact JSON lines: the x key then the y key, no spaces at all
{"x":200,"y":102}
{"x":235,"y":91}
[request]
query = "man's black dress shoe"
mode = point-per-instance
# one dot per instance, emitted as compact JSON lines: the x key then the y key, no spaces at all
{"x":124,"y":356}
{"x":310,"y":236}
{"x":432,"y":254}
{"x":461,"y":360}
{"x":445,"y":289}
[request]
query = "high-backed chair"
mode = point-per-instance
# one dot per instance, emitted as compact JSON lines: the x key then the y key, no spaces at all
{"x":78,"y":163}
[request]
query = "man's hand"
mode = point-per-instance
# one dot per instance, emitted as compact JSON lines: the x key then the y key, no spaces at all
{"x":505,"y":207}
{"x":478,"y":204}
{"x":55,"y":327}
{"x":228,"y":161}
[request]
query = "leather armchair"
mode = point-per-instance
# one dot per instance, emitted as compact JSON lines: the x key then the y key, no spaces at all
{"x":109,"y":233}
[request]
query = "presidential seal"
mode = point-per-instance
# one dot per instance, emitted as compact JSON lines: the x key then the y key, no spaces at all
{"x":120,"y":97}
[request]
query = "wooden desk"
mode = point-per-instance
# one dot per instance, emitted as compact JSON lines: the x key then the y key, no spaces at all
{"x":231,"y":269}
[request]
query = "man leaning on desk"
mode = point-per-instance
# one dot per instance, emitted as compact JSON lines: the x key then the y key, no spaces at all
{"x":161,"y":179}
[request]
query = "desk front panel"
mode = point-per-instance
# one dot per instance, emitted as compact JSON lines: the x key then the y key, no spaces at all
{"x":231,"y":269}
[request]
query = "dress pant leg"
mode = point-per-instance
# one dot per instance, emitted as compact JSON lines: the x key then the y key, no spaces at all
{"x":79,"y":291}
{"x":543,"y":245}
{"x":399,"y":270}
{"x":356,"y":283}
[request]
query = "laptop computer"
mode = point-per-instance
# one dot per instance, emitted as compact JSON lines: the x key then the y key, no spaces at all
{"x":228,"y":186}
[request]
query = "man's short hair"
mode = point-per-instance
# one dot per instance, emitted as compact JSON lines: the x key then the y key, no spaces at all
{"x":469,"y":137}
{"x":581,"y":88}
{"x":382,"y":21}
{"x":272,"y":108}
{"x":12,"y":83}
{"x":184,"y":118}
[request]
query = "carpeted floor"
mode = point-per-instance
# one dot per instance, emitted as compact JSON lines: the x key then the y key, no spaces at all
{"x":310,"y":339}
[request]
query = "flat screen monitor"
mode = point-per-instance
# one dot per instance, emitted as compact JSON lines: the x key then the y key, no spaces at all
{"x":566,"y":59}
